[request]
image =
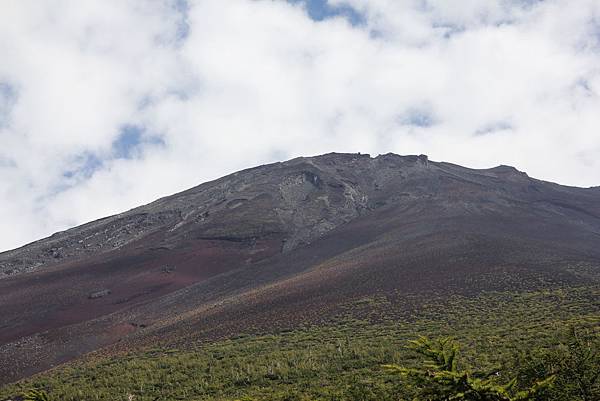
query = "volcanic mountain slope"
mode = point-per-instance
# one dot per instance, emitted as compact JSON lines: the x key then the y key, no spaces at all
{"x":286,"y":244}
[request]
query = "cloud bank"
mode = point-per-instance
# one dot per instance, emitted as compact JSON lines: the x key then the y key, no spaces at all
{"x":106,"y":105}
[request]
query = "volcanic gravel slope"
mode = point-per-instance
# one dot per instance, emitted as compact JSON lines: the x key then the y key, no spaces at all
{"x":287,"y":244}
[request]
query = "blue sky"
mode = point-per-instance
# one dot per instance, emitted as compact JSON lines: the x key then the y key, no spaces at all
{"x":319,"y":10}
{"x":131,"y":141}
{"x":106,"y":104}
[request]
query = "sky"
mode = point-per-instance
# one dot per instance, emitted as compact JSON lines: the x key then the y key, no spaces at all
{"x":106,"y":105}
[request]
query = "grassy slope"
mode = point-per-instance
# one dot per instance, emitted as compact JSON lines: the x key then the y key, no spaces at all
{"x":330,"y":361}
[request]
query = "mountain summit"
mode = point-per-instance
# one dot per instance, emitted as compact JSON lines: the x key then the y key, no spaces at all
{"x":287,"y":244}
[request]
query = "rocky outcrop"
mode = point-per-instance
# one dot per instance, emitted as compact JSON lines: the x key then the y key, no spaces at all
{"x":99,"y":294}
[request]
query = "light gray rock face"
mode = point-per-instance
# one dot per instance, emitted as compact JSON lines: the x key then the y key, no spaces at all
{"x":297,"y":201}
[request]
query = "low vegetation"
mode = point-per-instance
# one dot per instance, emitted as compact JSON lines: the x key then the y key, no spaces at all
{"x":441,"y":378}
{"x":541,"y":345}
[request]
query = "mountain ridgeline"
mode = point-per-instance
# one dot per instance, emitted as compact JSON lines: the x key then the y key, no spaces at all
{"x":290,"y":245}
{"x":290,"y":203}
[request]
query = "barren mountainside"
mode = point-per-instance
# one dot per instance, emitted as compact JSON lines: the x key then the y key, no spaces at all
{"x":296,"y":201}
{"x":287,"y":244}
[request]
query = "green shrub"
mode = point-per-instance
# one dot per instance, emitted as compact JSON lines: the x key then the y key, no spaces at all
{"x":36,"y":395}
{"x":440,"y":379}
{"x":574,"y":361}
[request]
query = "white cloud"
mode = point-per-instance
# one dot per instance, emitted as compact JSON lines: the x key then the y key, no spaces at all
{"x":217,"y":86}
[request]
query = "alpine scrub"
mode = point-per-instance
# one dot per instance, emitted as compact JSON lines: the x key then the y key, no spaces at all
{"x":440,"y":379}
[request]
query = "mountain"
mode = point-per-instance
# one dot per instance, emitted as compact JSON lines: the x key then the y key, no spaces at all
{"x":290,"y":244}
